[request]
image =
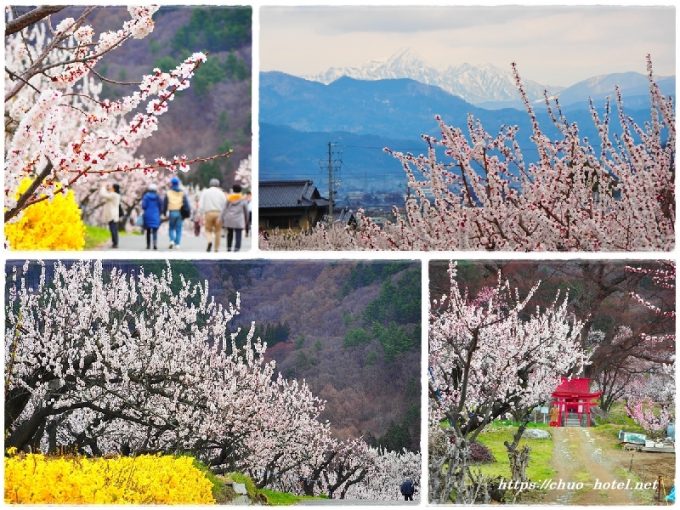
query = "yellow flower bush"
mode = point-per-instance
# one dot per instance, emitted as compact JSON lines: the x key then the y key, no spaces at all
{"x":147,"y":479}
{"x":48,"y":225}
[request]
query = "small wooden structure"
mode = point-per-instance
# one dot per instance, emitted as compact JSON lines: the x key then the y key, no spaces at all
{"x":572,"y":403}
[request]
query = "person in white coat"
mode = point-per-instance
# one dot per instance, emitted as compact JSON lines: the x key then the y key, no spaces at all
{"x":211,"y":204}
{"x":111,"y":209}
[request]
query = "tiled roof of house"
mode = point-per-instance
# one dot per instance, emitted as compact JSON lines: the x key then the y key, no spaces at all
{"x":344,"y":217}
{"x":289,"y":194}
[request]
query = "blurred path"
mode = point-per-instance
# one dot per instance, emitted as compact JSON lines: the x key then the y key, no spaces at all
{"x":354,"y":502}
{"x":190,"y":243}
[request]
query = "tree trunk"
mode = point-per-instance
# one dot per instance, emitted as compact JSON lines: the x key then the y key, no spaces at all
{"x":449,"y":469}
{"x":519,"y":461}
{"x":52,"y":438}
{"x":308,"y":487}
{"x":518,"y":457}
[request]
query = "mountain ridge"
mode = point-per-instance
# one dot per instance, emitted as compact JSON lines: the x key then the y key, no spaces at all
{"x":464,"y":80}
{"x":486,"y":85}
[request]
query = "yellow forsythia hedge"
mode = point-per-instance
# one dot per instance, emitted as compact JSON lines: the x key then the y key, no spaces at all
{"x":48,"y":225}
{"x":147,"y":479}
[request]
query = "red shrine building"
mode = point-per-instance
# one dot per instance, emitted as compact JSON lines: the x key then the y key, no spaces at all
{"x":572,"y":401}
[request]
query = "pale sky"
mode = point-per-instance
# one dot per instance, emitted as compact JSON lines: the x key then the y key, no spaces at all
{"x":557,"y":45}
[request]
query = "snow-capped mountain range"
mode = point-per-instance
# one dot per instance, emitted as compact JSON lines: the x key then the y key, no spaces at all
{"x":481,"y":85}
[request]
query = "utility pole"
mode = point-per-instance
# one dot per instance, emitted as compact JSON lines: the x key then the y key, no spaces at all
{"x":331,"y":190}
{"x":332,"y":165}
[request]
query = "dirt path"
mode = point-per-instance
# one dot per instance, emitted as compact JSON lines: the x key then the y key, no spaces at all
{"x":585,"y":465}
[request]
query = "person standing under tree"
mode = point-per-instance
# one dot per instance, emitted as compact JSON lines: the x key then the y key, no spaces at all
{"x":408,"y":489}
{"x":176,"y":207}
{"x":211,"y":204}
{"x":111,"y":210}
{"x":235,"y":217}
{"x":151,"y":204}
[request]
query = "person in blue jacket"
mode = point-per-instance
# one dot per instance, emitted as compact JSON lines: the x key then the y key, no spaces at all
{"x":408,"y":489}
{"x":151,"y":204}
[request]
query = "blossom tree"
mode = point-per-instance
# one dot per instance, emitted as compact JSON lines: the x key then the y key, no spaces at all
{"x":474,"y":190}
{"x":20,"y":50}
{"x":646,"y":414}
{"x":60,"y":133}
{"x":388,"y":469}
{"x":489,"y":356}
{"x":101,"y":362}
{"x":123,"y":363}
{"x":651,"y":395}
{"x":575,"y":197}
{"x":244,"y":173}
{"x":353,"y":470}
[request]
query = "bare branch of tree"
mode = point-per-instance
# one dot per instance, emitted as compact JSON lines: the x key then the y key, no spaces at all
{"x":15,"y":76}
{"x":36,"y":67}
{"x":31,"y":17}
{"x":21,"y":203}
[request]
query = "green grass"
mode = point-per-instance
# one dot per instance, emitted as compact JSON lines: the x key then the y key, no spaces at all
{"x":540,"y":457}
{"x":611,"y":431}
{"x":224,"y":494}
{"x":618,"y":415}
{"x":219,"y":490}
{"x":247,"y":481}
{"x":617,"y":419}
{"x":530,"y":425}
{"x":276,"y":498}
{"x":96,"y":236}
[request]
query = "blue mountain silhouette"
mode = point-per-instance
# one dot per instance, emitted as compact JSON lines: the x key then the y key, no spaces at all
{"x":299,"y":117}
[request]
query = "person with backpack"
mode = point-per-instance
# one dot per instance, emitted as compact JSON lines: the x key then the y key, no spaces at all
{"x":111,"y":210}
{"x":235,"y":217}
{"x":176,"y":207}
{"x":408,"y":489}
{"x":151,"y":205}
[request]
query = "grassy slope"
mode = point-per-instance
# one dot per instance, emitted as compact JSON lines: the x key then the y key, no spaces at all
{"x":539,"y":459}
{"x":617,"y":419}
{"x":96,"y":236}
{"x":275,"y":498}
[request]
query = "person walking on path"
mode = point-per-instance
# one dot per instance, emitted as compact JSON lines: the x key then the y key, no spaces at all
{"x":111,"y":210}
{"x":407,"y":489}
{"x":211,"y":204}
{"x":176,"y":207}
{"x":151,"y":205}
{"x":235,"y":217}
{"x":196,"y":219}
{"x":249,"y":223}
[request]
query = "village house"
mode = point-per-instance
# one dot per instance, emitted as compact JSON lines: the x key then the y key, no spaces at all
{"x":294,"y":205}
